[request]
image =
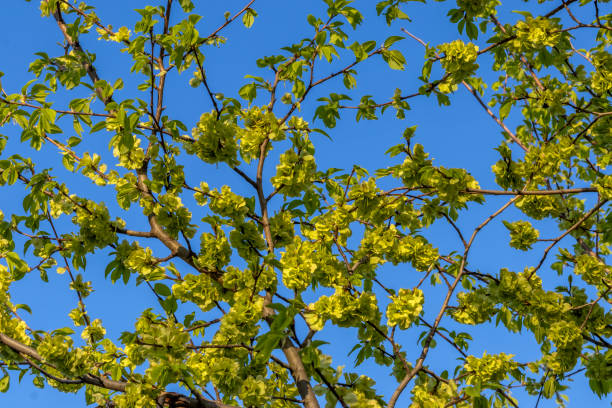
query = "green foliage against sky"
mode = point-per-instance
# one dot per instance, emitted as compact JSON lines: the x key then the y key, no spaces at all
{"x":252,"y":280}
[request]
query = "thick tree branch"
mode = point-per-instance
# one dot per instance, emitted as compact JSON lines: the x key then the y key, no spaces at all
{"x":76,"y":45}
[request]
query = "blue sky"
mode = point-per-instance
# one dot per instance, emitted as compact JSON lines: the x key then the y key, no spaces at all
{"x":461,"y":135}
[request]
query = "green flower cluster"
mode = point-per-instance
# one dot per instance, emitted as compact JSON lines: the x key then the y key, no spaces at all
{"x":214,"y":140}
{"x":10,"y":325}
{"x":405,"y":308}
{"x":215,"y":251}
{"x":451,"y":183}
{"x":199,"y":289}
{"x":94,"y":332}
{"x":246,"y":238}
{"x":343,"y":310}
{"x":298,"y":264}
{"x":281,"y":226}
{"x":379,"y":244}
{"x":142,"y":261}
{"x":600,"y":79}
{"x":383,"y":244}
{"x":335,"y":222}
{"x":365,"y":197}
{"x":534,"y":34}
{"x":136,"y":395}
{"x":593,"y":271}
{"x":522,"y":234}
{"x":95,"y":227}
{"x":259,"y":125}
{"x":564,"y":334}
{"x":459,"y":62}
{"x":228,"y":204}
{"x":59,"y":350}
{"x":539,"y":207}
{"x":241,"y":323}
{"x":567,"y":339}
{"x":478,"y":8}
{"x":428,"y":393}
{"x":604,"y":186}
{"x":490,"y":368}
{"x":523,"y":293}
{"x":173,"y":215}
{"x":416,"y":250}
{"x":475,"y":307}
{"x":130,"y":156}
{"x":253,"y":392}
{"x":599,"y":372}
{"x":262,"y":278}
{"x":294,"y":173}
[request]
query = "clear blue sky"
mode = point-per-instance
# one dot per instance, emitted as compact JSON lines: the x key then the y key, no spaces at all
{"x":461,"y":135}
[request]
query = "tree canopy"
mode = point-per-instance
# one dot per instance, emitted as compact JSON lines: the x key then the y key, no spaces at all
{"x":273,"y":278}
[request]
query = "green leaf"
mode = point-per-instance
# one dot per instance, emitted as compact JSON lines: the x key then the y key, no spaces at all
{"x":169,"y":304}
{"x":162,"y":289}
{"x":5,"y":383}
{"x":248,"y":92}
{"x":97,"y":127}
{"x":504,"y":110}
{"x":248,"y":18}
{"x":395,"y":150}
{"x":471,"y":30}
{"x":392,"y":40}
{"x":74,"y":141}
{"x":24,"y":307}
{"x":394,"y":58}
{"x":186,"y":5}
{"x":267,"y":342}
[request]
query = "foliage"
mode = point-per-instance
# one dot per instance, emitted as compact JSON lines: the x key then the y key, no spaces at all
{"x":292,"y":248}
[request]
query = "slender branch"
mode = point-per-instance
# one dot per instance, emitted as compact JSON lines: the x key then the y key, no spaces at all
{"x":478,"y":98}
{"x":96,"y":21}
{"x":534,"y":192}
{"x":419,"y":364}
{"x":568,"y":231}
{"x":229,"y":21}
{"x":67,"y":265}
{"x":331,"y":388}
{"x":494,"y":117}
{"x":76,"y":45}
{"x":24,"y":350}
{"x":205,"y":81}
